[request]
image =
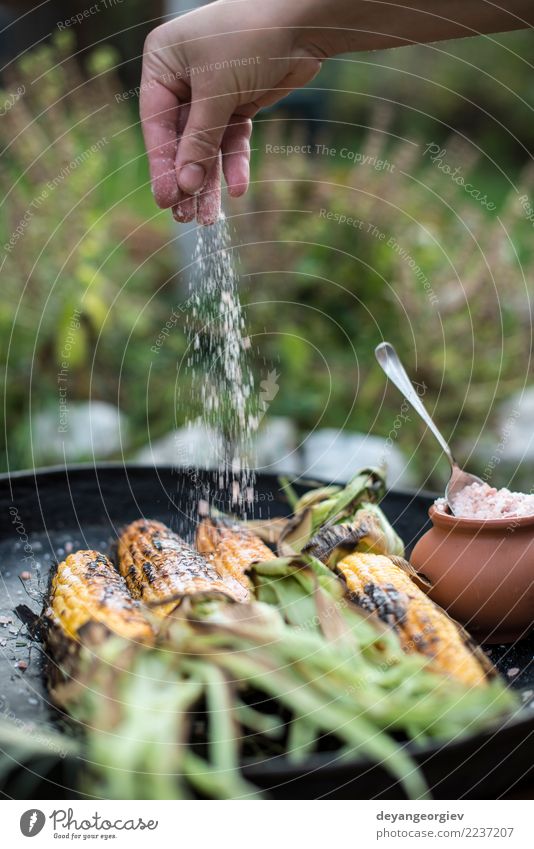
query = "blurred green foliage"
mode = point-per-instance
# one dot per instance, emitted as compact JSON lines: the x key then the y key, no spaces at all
{"x":478,"y":87}
{"x":430,"y":268}
{"x":83,"y":249}
{"x":417,"y":260}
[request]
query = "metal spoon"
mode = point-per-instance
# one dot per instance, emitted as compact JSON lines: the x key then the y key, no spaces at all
{"x":389,"y":361}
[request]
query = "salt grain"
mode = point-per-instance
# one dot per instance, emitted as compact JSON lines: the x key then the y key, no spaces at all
{"x":221,"y":374}
{"x":203,"y":507}
{"x":481,"y":501}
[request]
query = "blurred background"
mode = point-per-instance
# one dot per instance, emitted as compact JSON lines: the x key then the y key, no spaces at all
{"x":390,"y":199}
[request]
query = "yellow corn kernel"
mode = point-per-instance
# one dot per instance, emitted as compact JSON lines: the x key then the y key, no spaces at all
{"x":231,"y":549}
{"x":380,"y":586}
{"x":86,"y":587}
{"x":157,"y":564}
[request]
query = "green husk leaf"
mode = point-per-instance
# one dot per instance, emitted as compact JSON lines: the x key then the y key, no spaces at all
{"x":289,"y":492}
{"x":321,"y":510}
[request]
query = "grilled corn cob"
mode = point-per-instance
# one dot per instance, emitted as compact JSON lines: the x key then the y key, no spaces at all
{"x":87,"y":588}
{"x":231,"y":549}
{"x":379,"y":585}
{"x":157,"y":564}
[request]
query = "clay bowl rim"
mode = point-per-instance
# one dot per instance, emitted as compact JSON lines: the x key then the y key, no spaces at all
{"x":447,"y":520}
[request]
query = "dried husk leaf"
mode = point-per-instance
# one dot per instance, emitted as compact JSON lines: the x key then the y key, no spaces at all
{"x":370,"y":531}
{"x":296,"y":534}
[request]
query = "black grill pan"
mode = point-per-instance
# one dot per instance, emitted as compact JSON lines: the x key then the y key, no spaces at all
{"x":45,"y":513}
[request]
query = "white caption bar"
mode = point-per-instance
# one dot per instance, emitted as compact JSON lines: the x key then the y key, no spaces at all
{"x":267,"y":824}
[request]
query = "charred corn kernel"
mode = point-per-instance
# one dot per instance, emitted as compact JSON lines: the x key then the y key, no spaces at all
{"x":378,"y":585}
{"x":86,"y":588}
{"x":157,"y":564}
{"x":231,"y":549}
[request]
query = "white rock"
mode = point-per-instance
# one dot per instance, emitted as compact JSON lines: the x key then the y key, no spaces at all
{"x":515,"y":434}
{"x":275,"y":447}
{"x":503,"y":455}
{"x":191,"y":446}
{"x":335,"y":456}
{"x":83,"y":430}
{"x":273,"y":450}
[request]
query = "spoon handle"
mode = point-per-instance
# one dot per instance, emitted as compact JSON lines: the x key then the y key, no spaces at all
{"x":389,"y":361}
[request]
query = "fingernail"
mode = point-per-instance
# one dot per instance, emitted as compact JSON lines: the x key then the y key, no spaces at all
{"x":191,"y":178}
{"x":237,"y":190}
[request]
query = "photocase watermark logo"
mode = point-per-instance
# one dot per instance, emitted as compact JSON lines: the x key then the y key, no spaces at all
{"x":269,"y":391}
{"x":12,"y":100}
{"x":65,"y":820}
{"x":65,"y":825}
{"x":32,"y":822}
{"x":401,"y":417}
{"x":437,"y":156}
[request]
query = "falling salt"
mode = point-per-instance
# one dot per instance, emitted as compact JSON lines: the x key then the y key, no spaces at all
{"x":221,"y":376}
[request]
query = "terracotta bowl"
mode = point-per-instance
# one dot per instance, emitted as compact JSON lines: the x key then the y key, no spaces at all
{"x":481,"y":572}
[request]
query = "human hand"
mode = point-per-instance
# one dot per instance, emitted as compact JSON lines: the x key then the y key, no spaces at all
{"x":205,"y":75}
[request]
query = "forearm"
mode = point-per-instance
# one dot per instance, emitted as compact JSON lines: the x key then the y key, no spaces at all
{"x":193,"y":123}
{"x":340,"y":26}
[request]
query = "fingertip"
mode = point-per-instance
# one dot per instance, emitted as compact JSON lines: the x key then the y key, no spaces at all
{"x":237,"y":190}
{"x":208,"y":220}
{"x":165,"y":190}
{"x":209,"y":206}
{"x":209,"y":200}
{"x":237,"y":174}
{"x":185,"y":211}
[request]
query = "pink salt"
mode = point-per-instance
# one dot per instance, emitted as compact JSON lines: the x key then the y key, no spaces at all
{"x":481,"y":501}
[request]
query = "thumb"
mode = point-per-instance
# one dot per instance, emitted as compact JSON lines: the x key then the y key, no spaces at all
{"x":201,"y":140}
